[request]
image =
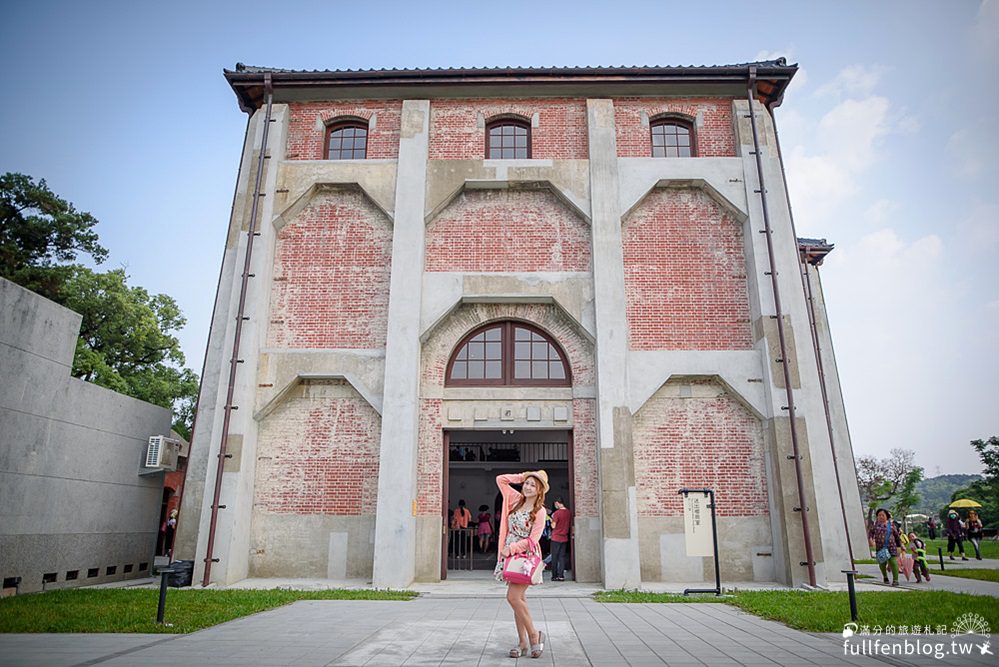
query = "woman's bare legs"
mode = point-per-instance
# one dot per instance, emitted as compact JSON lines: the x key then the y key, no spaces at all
{"x":514,"y":596}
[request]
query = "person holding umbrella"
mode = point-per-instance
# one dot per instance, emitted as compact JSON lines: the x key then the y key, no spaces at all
{"x":955,"y":534}
{"x":957,"y":530}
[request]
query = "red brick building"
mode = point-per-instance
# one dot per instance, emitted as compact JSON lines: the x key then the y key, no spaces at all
{"x":434,"y":276}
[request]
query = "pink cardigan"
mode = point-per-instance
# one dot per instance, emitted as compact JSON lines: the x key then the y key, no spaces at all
{"x":510,"y":498}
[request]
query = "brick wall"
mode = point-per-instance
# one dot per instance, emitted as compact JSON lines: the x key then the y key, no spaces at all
{"x":507,"y":231}
{"x":430,"y":459}
{"x":584,"y":463}
{"x":318,"y":453}
{"x":455,"y":133}
{"x":705,"y":440}
{"x":307,"y":122}
{"x":331,"y":275}
{"x":685,"y":274}
{"x":715,"y":137}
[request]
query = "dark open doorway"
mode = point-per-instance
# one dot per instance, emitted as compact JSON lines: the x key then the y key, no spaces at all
{"x":473,"y":459}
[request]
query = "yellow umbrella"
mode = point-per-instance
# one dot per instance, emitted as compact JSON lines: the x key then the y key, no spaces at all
{"x":964,"y":502}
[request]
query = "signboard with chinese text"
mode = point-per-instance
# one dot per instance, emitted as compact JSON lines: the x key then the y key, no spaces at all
{"x":697,"y":525}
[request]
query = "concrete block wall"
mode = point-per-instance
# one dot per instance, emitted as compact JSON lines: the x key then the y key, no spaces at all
{"x":72,"y":503}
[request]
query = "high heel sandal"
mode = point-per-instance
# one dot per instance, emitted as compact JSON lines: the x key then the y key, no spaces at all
{"x":539,"y":648}
{"x":518,"y":652}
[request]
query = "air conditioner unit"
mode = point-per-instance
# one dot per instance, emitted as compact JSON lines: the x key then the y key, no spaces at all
{"x":162,"y":453}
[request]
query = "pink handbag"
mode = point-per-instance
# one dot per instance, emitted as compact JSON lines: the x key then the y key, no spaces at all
{"x":526,"y":568}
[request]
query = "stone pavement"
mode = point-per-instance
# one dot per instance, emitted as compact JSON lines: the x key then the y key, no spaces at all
{"x":461,"y":631}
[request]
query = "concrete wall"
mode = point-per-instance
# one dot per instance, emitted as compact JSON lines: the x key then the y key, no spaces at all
{"x":71,"y":498}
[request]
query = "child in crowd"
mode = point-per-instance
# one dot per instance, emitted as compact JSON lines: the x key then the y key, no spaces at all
{"x":918,"y":548}
{"x":485,"y":529}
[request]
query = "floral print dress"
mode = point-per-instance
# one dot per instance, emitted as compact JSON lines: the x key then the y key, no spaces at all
{"x":519,"y":528}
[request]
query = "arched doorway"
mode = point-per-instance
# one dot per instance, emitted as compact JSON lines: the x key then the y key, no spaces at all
{"x":504,"y":387}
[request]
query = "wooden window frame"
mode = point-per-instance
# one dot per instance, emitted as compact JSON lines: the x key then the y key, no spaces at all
{"x":342,"y":124}
{"x":663,"y":121}
{"x":508,"y":121}
{"x":508,"y":358}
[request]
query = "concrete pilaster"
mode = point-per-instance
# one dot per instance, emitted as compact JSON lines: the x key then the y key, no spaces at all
{"x":809,"y":420}
{"x":232,"y":538}
{"x":618,"y":506}
{"x":395,"y":523}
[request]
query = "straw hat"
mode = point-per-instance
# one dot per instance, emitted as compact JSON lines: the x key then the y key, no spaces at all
{"x":541,"y":476}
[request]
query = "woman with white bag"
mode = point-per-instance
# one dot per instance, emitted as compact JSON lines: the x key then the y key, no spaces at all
{"x":520,"y":564}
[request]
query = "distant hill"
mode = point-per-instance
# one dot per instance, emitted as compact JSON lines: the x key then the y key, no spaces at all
{"x":935,"y":492}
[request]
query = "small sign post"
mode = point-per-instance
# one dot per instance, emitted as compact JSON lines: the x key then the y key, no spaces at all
{"x":699,"y":542}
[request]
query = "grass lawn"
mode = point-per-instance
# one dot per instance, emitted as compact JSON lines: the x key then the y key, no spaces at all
{"x":969,"y":573}
{"x":825,"y":611}
{"x":134,"y":610}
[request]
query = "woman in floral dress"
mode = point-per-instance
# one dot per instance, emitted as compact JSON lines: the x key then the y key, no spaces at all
{"x":522,"y":520}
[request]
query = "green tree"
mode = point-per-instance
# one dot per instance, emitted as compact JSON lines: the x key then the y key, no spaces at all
{"x":882,"y":479}
{"x":907,"y":497}
{"x":39,"y":233}
{"x":985,"y":491}
{"x":126,"y":338}
{"x":126,"y":341}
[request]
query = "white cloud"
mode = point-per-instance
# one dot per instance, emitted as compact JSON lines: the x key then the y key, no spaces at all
{"x":985,"y":32}
{"x":829,"y":159}
{"x":851,"y":130}
{"x":881,"y":212}
{"x":980,"y":229}
{"x":855,"y":81}
{"x":969,"y":150}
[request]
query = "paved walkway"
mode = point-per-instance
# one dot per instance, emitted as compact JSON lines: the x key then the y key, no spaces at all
{"x":462,"y":631}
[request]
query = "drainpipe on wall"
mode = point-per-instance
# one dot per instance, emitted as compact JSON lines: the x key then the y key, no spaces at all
{"x":802,"y":508}
{"x":235,"y":360}
{"x":806,"y":285}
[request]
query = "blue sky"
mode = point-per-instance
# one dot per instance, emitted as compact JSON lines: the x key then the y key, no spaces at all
{"x":888,"y":132}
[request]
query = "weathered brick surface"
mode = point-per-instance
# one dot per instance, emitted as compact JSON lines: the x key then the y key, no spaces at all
{"x":318,"y":453}
{"x":707,"y":440}
{"x":685,"y":274}
{"x":715,"y":138}
{"x":307,"y":123}
{"x":507,"y":231}
{"x":430,"y":459}
{"x":584,"y":458}
{"x":332,"y":266}
{"x":560,"y":134}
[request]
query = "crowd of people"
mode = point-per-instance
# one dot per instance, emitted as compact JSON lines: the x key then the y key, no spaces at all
{"x":897,"y":551}
{"x":554,"y":540}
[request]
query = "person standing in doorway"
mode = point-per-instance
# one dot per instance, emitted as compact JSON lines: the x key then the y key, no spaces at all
{"x":561,"y":525}
{"x":485,"y":527}
{"x":520,"y":528}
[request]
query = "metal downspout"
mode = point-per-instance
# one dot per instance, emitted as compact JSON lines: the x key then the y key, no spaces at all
{"x":806,"y":285}
{"x":779,"y":316}
{"x":235,"y":360}
{"x":204,"y":361}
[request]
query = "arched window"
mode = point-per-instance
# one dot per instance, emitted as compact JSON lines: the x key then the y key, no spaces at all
{"x":672,"y":137}
{"x":508,"y":353}
{"x":508,"y":138}
{"x":347,"y":140}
